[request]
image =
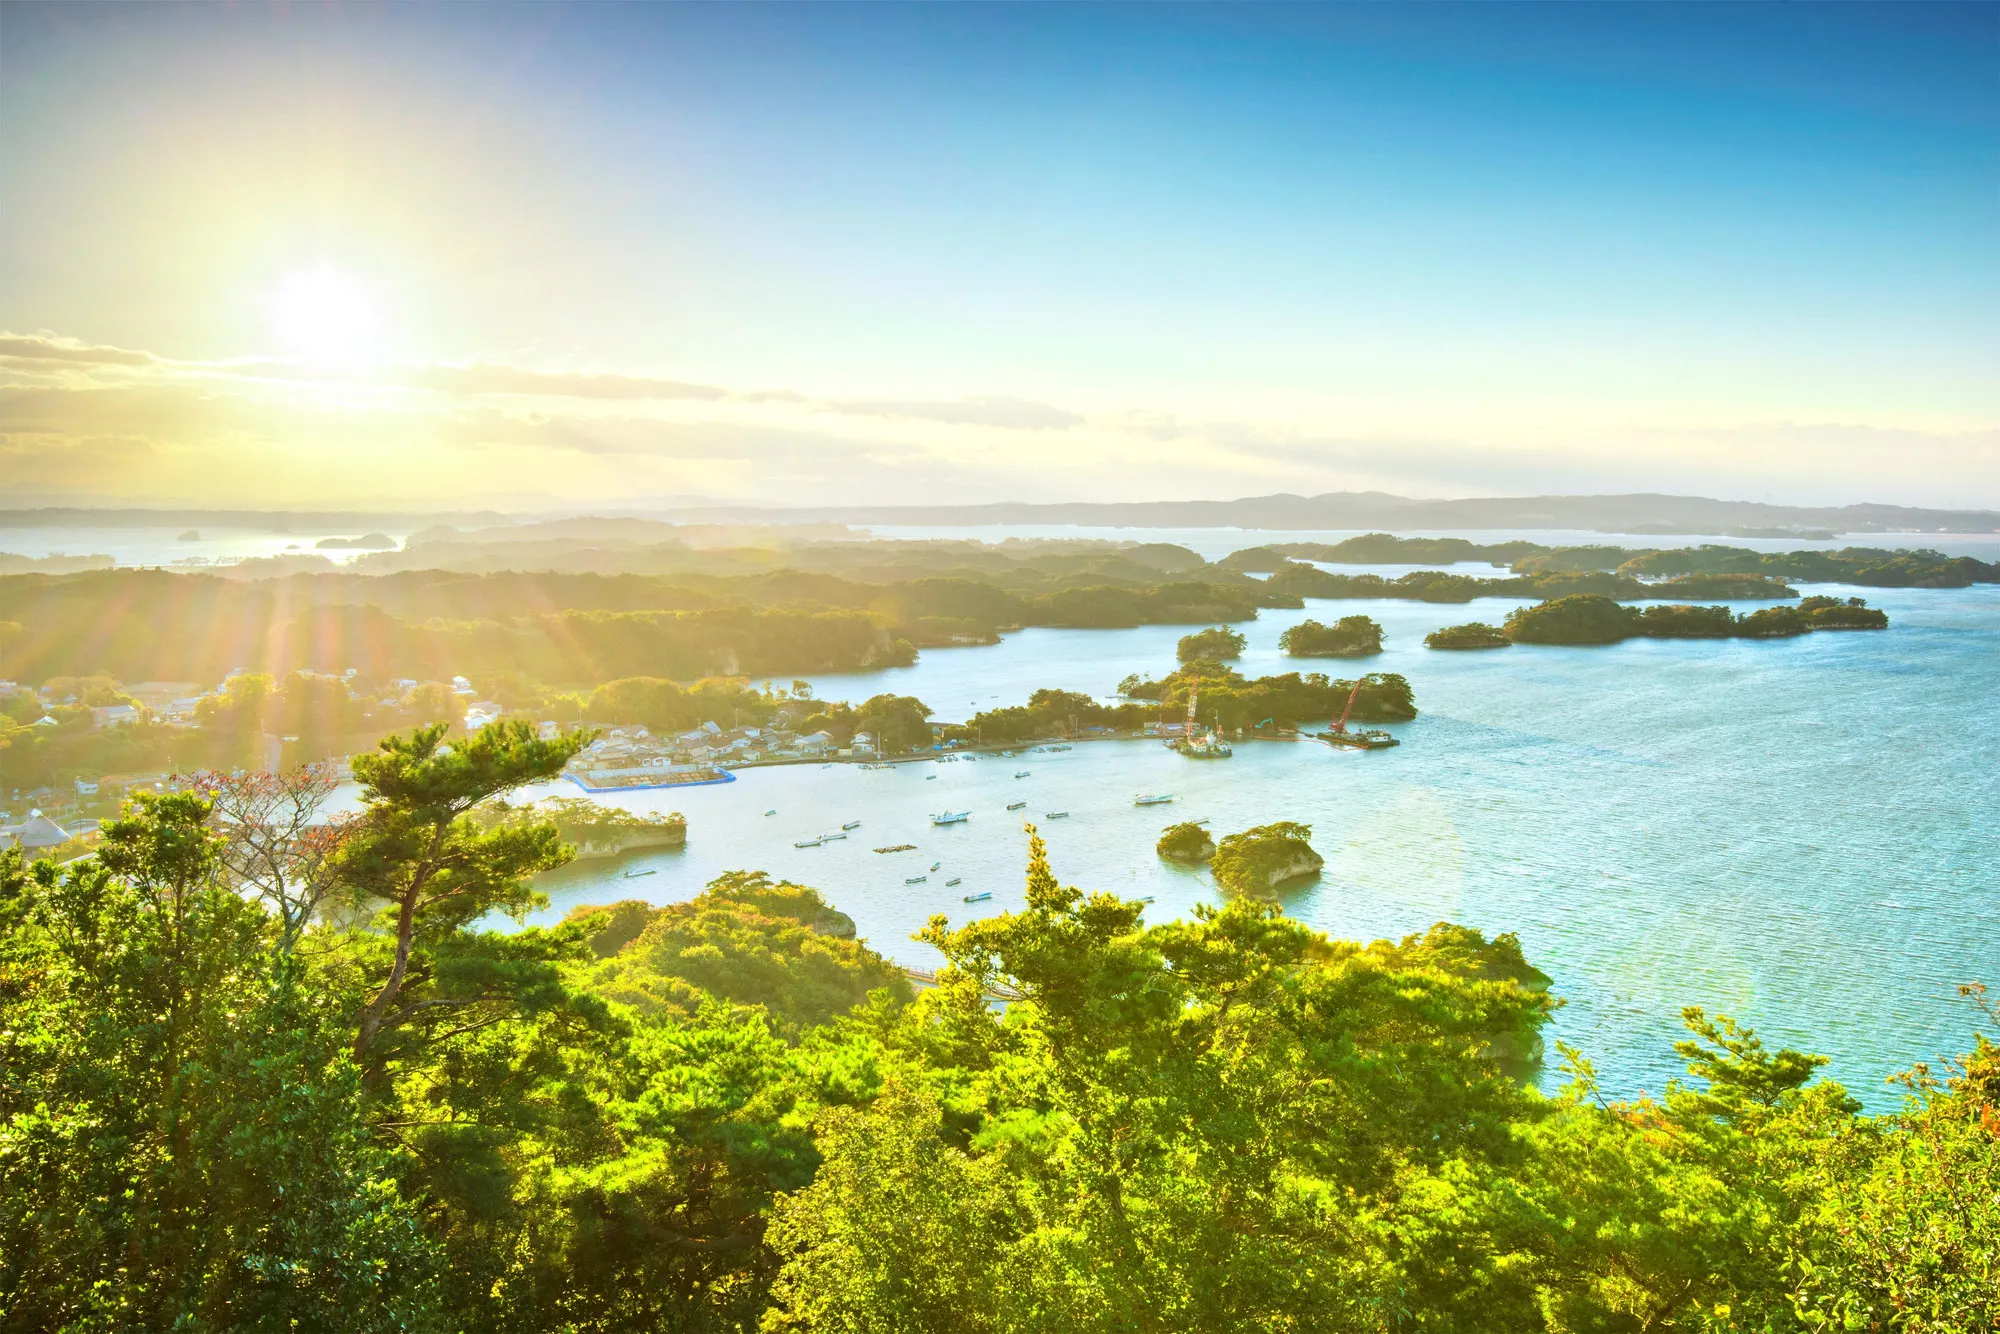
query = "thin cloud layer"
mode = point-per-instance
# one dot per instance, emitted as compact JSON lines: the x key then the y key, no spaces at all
{"x":80,"y":419}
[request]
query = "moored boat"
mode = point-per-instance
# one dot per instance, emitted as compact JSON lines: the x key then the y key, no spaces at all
{"x":951,"y":817}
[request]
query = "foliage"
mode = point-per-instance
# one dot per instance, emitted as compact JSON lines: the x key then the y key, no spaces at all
{"x":1213,"y":645}
{"x":748,"y":941}
{"x":1231,"y":701}
{"x":182,"y":1141}
{"x":1349,"y":637}
{"x":1258,"y":860}
{"x":1187,"y":842}
{"x":1584,"y":618}
{"x":899,"y":723}
{"x":730,"y":1115}
{"x":434,"y":870}
{"x":581,"y":820}
{"x":1471,"y":635}
{"x":1440,"y":586}
{"x":666,"y":707}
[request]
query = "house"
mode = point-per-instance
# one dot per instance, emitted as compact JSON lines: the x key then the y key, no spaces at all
{"x":864,"y":743}
{"x":816,"y":742}
{"x":114,"y":715}
{"x":86,"y":787}
{"x":37,"y":833}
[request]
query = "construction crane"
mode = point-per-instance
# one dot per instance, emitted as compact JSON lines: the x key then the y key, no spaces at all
{"x":1341,"y":726}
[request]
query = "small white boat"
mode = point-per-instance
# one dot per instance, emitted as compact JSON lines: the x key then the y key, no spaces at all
{"x":1156,"y":799}
{"x":916,"y":879}
{"x":806,"y":843}
{"x":852,"y":824}
{"x":1016,"y":805}
{"x":953,"y":881}
{"x":1021,"y":773}
{"x":828,"y":838}
{"x":977,"y":898}
{"x":1055,"y":815}
{"x":634,"y":875}
{"x":951,"y":817}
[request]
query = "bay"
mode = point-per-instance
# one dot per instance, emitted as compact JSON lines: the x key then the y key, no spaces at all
{"x":1801,"y":833}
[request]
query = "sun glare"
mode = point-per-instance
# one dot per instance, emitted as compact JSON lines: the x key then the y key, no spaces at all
{"x":324,"y":316}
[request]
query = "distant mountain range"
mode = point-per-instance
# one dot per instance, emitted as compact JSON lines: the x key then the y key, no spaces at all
{"x":1638,"y":514}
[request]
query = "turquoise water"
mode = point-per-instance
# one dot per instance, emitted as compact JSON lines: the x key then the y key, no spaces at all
{"x":1803,"y":833}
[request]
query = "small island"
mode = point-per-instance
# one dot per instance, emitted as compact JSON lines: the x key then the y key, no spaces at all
{"x":1586,"y":618}
{"x":596,"y":831}
{"x":1187,"y":842}
{"x":1471,"y":635}
{"x":1349,"y":637}
{"x":1212,"y":645}
{"x":1258,"y":860}
{"x":372,"y":542}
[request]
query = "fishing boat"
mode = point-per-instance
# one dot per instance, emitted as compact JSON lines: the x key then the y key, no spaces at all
{"x":935,"y":865}
{"x":899,"y":847}
{"x":1054,"y":748}
{"x":1016,"y":805}
{"x":1360,"y":738}
{"x":806,"y":843}
{"x":634,"y":875}
{"x":772,"y":811}
{"x":977,"y":898}
{"x":915,"y":879}
{"x":955,"y":880}
{"x":1055,"y":815}
{"x":828,"y":838}
{"x":852,"y":824}
{"x":951,"y":817}
{"x":1021,"y":773}
{"x":1157,"y":799}
{"x":930,"y":778}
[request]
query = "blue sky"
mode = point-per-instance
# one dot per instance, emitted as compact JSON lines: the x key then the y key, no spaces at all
{"x":937,"y":252}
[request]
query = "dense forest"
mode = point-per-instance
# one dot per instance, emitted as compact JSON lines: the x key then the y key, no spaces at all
{"x":259,"y":1082}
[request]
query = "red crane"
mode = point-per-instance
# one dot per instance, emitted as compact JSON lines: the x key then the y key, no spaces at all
{"x":1341,"y":726}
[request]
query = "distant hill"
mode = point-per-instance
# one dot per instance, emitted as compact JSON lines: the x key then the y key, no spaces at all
{"x":1639,"y":513}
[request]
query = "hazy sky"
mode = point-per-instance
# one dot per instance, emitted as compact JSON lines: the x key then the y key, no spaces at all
{"x":488,"y":255}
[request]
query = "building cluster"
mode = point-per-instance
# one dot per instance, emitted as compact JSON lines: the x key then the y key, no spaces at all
{"x":626,"y":754}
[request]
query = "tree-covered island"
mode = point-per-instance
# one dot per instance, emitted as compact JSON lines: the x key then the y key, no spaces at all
{"x":1186,"y":842}
{"x":1868,"y":566}
{"x":1215,"y":644}
{"x":1258,"y":860}
{"x":1472,"y":635}
{"x":1588,"y":619}
{"x":1349,"y":637}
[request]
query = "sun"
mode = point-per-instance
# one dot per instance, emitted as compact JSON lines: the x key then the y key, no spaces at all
{"x":323,"y":315}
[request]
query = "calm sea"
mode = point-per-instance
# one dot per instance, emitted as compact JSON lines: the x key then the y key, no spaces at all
{"x":1804,"y":834}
